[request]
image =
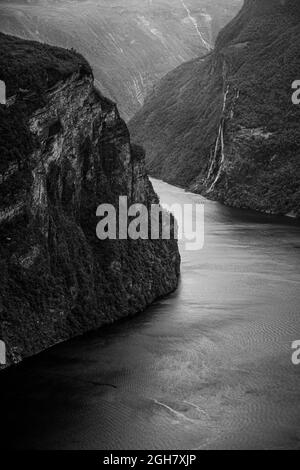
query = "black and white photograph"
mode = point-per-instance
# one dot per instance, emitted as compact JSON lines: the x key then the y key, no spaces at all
{"x":149,"y":228}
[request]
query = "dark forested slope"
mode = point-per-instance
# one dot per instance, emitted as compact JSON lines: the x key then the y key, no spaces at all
{"x":64,"y":150}
{"x":225,"y":124}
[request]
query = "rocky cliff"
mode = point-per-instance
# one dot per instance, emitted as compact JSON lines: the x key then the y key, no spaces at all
{"x":130,"y":43}
{"x":64,"y":151}
{"x":225,"y":124}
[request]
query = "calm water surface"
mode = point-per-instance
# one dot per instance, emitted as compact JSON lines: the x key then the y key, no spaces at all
{"x":208,"y":367}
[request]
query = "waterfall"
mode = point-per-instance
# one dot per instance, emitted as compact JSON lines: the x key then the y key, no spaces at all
{"x":194,"y":22}
{"x":220,"y":138}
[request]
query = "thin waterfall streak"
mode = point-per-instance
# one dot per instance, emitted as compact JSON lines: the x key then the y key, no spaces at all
{"x":194,"y":22}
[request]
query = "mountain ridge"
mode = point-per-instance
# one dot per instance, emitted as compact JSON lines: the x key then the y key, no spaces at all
{"x":225,"y":125}
{"x":130,"y":43}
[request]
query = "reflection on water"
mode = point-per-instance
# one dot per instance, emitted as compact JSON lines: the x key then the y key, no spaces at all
{"x":208,"y":367}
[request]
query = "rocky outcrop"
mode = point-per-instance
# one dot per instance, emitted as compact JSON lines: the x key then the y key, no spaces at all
{"x":57,"y":279}
{"x":225,"y":125}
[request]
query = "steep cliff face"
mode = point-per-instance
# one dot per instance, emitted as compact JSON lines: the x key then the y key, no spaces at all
{"x":130,"y":43}
{"x":225,"y":124}
{"x":64,"y":151}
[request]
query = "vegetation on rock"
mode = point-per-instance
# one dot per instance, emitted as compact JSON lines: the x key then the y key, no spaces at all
{"x":64,"y":151}
{"x":225,"y":124}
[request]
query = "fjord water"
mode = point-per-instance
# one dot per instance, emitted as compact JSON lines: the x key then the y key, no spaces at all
{"x":208,"y":367}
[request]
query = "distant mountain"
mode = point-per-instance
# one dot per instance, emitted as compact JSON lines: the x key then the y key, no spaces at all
{"x":130,"y":43}
{"x":225,"y":125}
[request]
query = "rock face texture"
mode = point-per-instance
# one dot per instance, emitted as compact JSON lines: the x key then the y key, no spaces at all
{"x":129,"y":43}
{"x":64,"y":151}
{"x":225,"y":124}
